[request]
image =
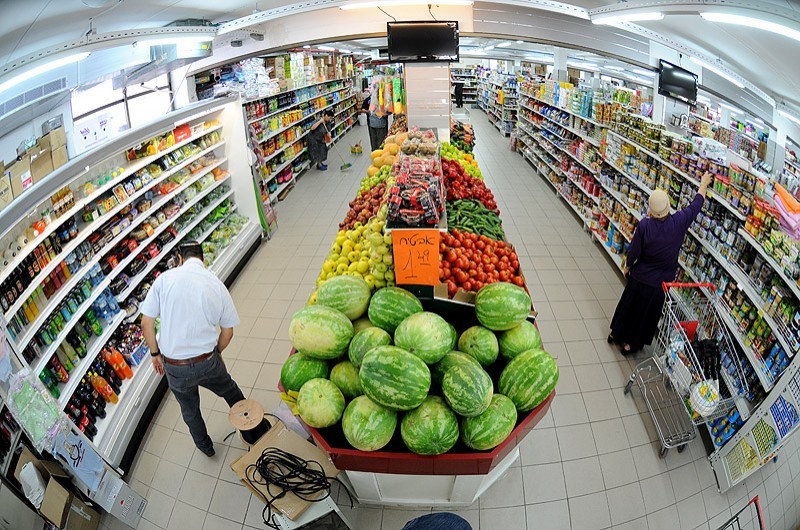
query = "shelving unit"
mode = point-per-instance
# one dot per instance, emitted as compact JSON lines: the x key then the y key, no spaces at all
{"x":116,"y":430}
{"x":502,"y":116}
{"x":470,"y":78}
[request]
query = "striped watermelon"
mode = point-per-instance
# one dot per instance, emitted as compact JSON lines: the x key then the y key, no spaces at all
{"x":467,"y":389}
{"x":529,"y":378}
{"x":364,"y":341}
{"x":348,"y":294}
{"x":300,"y":368}
{"x":345,"y":376}
{"x":431,"y":428}
{"x":394,"y":378}
{"x":361,"y":324}
{"x":320,"y":403}
{"x":451,"y":359}
{"x":480,"y":343}
{"x":519,"y":339}
{"x":390,"y":306}
{"x":426,"y":335}
{"x":489,"y":428}
{"x":367,"y":425}
{"x":500,"y":306}
{"x":453,"y":336}
{"x":320,"y":332}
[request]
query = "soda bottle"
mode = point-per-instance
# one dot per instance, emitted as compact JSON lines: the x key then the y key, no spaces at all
{"x":105,"y":370}
{"x":91,"y":319}
{"x":103,"y":388}
{"x":58,"y":369}
{"x":70,"y":352}
{"x":47,"y":377}
{"x":79,"y":345}
{"x":65,"y":361}
{"x":117,"y":362}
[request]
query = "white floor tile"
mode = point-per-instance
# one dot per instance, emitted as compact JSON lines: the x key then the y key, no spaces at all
{"x":625,"y":503}
{"x":548,"y":515}
{"x":618,"y":469}
{"x":583,"y":476}
{"x":589,"y":512}
{"x":544,"y":483}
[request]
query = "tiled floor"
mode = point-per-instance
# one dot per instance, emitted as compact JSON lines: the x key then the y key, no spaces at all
{"x":591,"y":463}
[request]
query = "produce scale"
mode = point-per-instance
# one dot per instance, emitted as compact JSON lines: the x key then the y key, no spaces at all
{"x":418,"y":353}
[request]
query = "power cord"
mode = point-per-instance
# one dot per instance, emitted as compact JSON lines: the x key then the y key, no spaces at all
{"x":387,"y":14}
{"x":305,"y":478}
{"x":431,"y":12}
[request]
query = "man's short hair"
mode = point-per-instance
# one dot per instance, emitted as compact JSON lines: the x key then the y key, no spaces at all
{"x":191,"y":249}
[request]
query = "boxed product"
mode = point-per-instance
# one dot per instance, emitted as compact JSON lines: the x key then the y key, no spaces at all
{"x":118,"y":499}
{"x":59,"y":506}
{"x":19,"y":173}
{"x":59,"y":156}
{"x":6,"y":195}
{"x":54,"y":139}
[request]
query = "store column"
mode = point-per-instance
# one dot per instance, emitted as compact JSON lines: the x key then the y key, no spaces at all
{"x":428,"y":96}
{"x":560,"y":65}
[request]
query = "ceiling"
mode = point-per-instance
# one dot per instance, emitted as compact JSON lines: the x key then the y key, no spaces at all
{"x":29,"y":25}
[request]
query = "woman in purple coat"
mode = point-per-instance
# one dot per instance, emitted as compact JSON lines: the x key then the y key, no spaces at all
{"x":652,"y":260}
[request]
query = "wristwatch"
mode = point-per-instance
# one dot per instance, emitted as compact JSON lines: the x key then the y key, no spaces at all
{"x":155,"y":353}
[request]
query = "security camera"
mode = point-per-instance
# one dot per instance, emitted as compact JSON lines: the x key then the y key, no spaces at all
{"x":257,"y":36}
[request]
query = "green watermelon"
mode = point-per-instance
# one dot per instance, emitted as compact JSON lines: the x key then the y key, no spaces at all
{"x":348,"y":294}
{"x":320,"y":403}
{"x":529,"y":378}
{"x":320,"y":332}
{"x":480,"y":343}
{"x":489,"y":428}
{"x":451,"y":359}
{"x":431,"y":428}
{"x":390,"y":306}
{"x":367,"y":425}
{"x":300,"y":368}
{"x":467,"y":389}
{"x":453,"y":336}
{"x":345,"y":376}
{"x":394,"y":378}
{"x":500,"y":306}
{"x":519,"y":339}
{"x":361,"y":324}
{"x":364,"y":341}
{"x":426,"y":335}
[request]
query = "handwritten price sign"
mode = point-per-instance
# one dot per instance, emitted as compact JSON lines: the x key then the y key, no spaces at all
{"x":416,"y":256}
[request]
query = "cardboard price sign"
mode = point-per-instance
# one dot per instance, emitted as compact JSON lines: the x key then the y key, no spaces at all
{"x":416,"y":256}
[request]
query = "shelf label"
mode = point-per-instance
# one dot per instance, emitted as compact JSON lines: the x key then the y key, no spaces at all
{"x":416,"y":256}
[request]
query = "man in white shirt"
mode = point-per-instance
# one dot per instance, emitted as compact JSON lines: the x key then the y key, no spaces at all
{"x":193,"y":304}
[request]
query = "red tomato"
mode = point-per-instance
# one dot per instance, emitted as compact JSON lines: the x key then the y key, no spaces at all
{"x":461,"y":277}
{"x":480,"y":245}
{"x":472,"y":273}
{"x":477,"y":284}
{"x":451,"y":288}
{"x":489,"y":268}
{"x":447,"y":274}
{"x":467,"y":285}
{"x":518,"y":280}
{"x":462,"y":263}
{"x":456,"y":244}
{"x":504,"y":259}
{"x":513,"y":256}
{"x":515,"y":264}
{"x":472,"y":264}
{"x":451,"y":256}
{"x":502,"y":266}
{"x":481,"y":276}
{"x":505,"y":275}
{"x":473,"y":237}
{"x":441,"y":275}
{"x":495,"y":260}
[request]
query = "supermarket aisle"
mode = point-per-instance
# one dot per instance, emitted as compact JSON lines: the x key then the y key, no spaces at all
{"x":590,"y":464}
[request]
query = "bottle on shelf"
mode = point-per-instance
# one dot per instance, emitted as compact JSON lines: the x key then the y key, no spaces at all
{"x":49,"y":380}
{"x":117,"y":362}
{"x":103,"y":388}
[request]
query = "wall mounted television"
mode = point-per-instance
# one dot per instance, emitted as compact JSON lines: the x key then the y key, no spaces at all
{"x":428,"y":41}
{"x":677,"y":83}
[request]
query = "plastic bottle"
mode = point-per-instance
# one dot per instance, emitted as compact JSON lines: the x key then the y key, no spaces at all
{"x":103,"y":388}
{"x":117,"y":362}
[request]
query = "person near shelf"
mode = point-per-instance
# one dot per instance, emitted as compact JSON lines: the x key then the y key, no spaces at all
{"x":378,"y":125}
{"x":458,"y":89}
{"x":652,"y":260}
{"x":197,"y":320}
{"x":318,"y":140}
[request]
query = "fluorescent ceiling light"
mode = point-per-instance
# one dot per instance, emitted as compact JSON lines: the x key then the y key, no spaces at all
{"x":789,"y":116}
{"x":751,"y":22}
{"x":43,"y":68}
{"x":326,"y":48}
{"x":179,"y":39}
{"x":734,"y":110}
{"x":307,"y":46}
{"x":717,"y":70}
{"x":703,"y":98}
{"x":342,"y":50}
{"x":646,"y":73}
{"x":615,"y":68}
{"x":583,"y":66}
{"x":389,"y":3}
{"x":616,"y":18}
{"x":504,"y":44}
{"x":519,"y":42}
{"x":488,"y":48}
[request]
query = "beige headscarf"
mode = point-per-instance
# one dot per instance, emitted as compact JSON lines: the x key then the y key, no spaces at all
{"x":659,"y":204}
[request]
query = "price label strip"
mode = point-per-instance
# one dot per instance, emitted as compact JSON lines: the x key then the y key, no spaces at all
{"x":784,"y":415}
{"x":416,"y":256}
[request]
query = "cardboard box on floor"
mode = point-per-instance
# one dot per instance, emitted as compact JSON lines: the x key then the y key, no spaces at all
{"x":282,"y":438}
{"x":116,"y":497}
{"x":60,"y":506}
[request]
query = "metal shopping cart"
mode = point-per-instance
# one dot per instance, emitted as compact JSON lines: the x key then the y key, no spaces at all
{"x":695,"y":374}
{"x":748,"y":518}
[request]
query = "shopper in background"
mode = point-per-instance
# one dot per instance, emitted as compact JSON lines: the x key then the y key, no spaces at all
{"x":318,"y":140}
{"x":192,"y":303}
{"x":458,"y":89}
{"x":378,"y":128}
{"x":652,"y":260}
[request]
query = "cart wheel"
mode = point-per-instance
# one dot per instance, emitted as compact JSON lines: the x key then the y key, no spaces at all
{"x":663,"y":452}
{"x":628,"y":387}
{"x":681,"y":448}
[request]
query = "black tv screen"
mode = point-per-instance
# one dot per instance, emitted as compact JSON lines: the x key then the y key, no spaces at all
{"x":677,"y":83}
{"x":422,"y":41}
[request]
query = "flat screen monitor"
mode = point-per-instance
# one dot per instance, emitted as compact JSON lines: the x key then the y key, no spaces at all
{"x":677,"y":83}
{"x":422,"y":41}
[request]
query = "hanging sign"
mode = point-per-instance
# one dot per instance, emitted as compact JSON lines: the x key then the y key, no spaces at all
{"x":416,"y":256}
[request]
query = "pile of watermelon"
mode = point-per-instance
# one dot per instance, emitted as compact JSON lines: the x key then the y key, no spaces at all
{"x":382,"y":372}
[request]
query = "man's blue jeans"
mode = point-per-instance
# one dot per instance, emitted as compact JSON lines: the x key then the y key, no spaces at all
{"x":184,"y":382}
{"x":438,"y":521}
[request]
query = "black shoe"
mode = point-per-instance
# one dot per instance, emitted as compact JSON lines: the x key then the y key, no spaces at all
{"x":208,"y":452}
{"x":610,"y":339}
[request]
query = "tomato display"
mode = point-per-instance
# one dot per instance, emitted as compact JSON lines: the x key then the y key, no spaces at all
{"x":469,"y":261}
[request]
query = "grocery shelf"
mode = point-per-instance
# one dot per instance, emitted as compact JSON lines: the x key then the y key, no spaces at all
{"x":590,"y":120}
{"x":129,"y":386}
{"x":276,"y":111}
{"x":93,"y":348}
{"x":225,"y":257}
{"x":346,"y":108}
{"x":6,"y":463}
{"x":576,"y":132}
{"x":273,"y":134}
{"x":575,"y":158}
{"x":283,"y":186}
{"x":641,"y":185}
{"x":284,"y":166}
{"x":616,"y":258}
{"x":792,"y":284}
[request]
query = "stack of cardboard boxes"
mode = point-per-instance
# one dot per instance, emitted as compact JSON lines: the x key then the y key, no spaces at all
{"x":296,"y":70}
{"x":32,"y":165}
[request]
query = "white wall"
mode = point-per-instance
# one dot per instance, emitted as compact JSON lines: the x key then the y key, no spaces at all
{"x":9,"y":142}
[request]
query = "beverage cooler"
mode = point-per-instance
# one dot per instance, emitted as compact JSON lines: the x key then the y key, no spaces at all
{"x":81,"y":247}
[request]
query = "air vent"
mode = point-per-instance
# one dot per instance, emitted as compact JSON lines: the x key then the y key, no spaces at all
{"x":32,"y":95}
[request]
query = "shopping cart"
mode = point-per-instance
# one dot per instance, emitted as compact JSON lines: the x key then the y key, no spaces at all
{"x":748,"y":518}
{"x":695,"y":374}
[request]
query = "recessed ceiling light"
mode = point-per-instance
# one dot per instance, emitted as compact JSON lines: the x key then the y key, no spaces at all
{"x":717,"y":70}
{"x":752,"y":22}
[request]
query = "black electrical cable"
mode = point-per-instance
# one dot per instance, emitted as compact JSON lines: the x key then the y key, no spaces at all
{"x":431,"y":12}
{"x":290,"y":473}
{"x":387,"y":14}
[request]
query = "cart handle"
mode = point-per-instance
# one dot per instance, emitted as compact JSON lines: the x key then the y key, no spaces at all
{"x":668,"y":285}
